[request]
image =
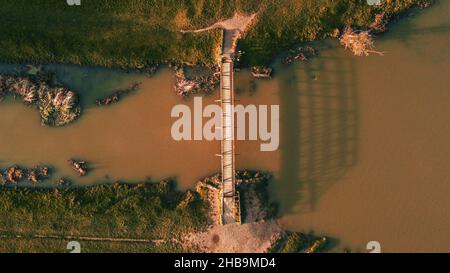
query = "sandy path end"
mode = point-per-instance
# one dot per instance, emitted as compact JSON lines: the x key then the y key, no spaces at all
{"x":234,"y":27}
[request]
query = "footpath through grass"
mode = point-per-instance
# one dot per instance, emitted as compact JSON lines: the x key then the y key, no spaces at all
{"x":136,"y":33}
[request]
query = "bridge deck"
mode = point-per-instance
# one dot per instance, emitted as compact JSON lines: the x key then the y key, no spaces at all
{"x":230,"y":209}
{"x":226,"y":93}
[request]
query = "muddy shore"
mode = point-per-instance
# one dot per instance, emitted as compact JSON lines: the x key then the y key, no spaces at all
{"x":259,"y":230}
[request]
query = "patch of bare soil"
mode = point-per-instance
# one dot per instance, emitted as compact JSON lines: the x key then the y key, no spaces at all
{"x":234,"y":28}
{"x":254,"y":237}
{"x":238,"y":22}
{"x":257,"y":232}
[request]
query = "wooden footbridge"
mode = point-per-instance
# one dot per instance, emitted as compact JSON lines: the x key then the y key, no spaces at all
{"x":230,"y":200}
{"x":233,"y":28}
{"x":226,"y":100}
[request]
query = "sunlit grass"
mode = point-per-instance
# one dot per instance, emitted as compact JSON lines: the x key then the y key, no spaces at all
{"x":135,"y":33}
{"x":148,"y":211}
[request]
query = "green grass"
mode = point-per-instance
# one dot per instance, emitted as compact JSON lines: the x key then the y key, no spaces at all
{"x":153,"y":211}
{"x":284,"y":23}
{"x":119,"y":33}
{"x":135,"y":33}
{"x":297,"y":242}
{"x":27,"y":245}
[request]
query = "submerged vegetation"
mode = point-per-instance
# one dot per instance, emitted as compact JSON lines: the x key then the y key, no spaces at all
{"x":118,"y":95}
{"x":359,"y":42}
{"x":79,"y":166}
{"x":189,"y":85}
{"x":57,"y":105}
{"x":295,"y":242}
{"x":15,"y":174}
{"x":135,"y":34}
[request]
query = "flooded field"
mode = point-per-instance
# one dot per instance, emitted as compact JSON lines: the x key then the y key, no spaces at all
{"x":363,"y":143}
{"x":365,"y":146}
{"x":129,"y":140}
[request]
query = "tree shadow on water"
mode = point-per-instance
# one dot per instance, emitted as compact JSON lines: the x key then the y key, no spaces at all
{"x":319,"y":127}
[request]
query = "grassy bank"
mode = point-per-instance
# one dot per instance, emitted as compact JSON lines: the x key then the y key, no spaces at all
{"x":134,"y":33}
{"x":151,"y":211}
{"x":143,"y":218}
{"x":28,"y":245}
{"x":297,"y":242}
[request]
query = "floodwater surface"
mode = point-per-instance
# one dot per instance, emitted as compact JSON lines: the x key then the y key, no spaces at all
{"x":365,"y":140}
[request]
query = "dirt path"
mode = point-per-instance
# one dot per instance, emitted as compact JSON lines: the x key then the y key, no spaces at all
{"x":254,"y":237}
{"x":234,"y":27}
{"x":238,"y":22}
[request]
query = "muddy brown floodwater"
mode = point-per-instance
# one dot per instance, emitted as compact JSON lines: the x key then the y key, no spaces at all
{"x":365,"y":153}
{"x":130,"y":140}
{"x":364,"y":141}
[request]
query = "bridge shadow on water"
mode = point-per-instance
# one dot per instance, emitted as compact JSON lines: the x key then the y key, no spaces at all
{"x":319,"y":128}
